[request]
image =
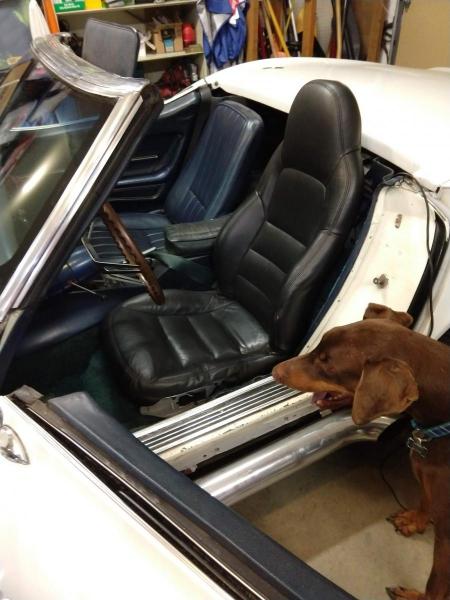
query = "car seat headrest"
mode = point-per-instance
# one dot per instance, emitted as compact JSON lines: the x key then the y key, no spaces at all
{"x":323,"y":125}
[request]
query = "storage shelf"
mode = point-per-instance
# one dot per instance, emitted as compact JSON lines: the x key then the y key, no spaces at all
{"x":130,"y":7}
{"x":169,"y":55}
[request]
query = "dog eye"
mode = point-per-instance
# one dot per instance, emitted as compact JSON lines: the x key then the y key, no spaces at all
{"x":323,"y":357}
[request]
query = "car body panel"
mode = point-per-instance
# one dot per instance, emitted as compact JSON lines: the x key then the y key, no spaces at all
{"x":405,"y":112}
{"x":441,"y":285}
{"x":395,"y":246}
{"x":75,"y":539}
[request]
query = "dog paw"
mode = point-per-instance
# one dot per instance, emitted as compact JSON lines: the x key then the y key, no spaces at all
{"x":401,"y":593}
{"x":409,"y":522}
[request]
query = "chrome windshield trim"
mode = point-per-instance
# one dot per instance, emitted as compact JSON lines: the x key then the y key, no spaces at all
{"x":76,"y":72}
{"x":71,"y":200}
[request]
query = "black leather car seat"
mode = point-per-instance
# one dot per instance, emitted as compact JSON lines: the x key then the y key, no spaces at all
{"x":210,"y":184}
{"x":271,"y":260}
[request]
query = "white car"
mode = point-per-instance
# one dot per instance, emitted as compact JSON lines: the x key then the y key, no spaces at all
{"x":118,"y":461}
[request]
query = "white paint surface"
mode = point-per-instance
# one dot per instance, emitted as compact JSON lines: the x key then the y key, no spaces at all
{"x":405,"y":112}
{"x":65,"y":536}
{"x":397,"y":252}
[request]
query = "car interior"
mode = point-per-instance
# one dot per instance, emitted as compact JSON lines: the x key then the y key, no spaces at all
{"x":201,"y":341}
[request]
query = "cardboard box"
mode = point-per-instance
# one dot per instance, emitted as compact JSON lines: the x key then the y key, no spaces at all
{"x":167,"y":38}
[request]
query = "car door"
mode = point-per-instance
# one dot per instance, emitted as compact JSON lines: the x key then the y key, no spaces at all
{"x":64,"y":535}
{"x":156,"y":162}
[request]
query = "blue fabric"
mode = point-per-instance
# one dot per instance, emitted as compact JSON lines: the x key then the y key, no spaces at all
{"x":437,"y":431}
{"x":219,"y":6}
{"x":224,"y":30}
{"x":229,"y":41}
{"x":207,"y":49}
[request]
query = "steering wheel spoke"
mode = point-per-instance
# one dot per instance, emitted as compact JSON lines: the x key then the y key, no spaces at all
{"x":131,"y":252}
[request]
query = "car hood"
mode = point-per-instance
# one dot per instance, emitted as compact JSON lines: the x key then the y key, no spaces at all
{"x":405,"y":112}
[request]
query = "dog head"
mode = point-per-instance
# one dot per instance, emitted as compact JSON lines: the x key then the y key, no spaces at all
{"x":353,"y":365}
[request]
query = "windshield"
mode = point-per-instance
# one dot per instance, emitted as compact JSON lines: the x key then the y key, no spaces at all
{"x":45,"y":130}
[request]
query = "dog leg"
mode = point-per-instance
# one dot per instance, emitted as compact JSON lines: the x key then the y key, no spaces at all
{"x":408,"y":522}
{"x":438,"y":584}
{"x":401,"y":593}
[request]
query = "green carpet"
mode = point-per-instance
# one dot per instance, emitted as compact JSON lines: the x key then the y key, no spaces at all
{"x":78,"y":364}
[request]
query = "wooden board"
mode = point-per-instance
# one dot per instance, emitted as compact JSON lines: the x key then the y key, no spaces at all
{"x":309,"y":27}
{"x":370,"y":16}
{"x":251,"y":48}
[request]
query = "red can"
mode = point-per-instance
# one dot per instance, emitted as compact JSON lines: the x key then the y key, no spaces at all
{"x":188,"y":34}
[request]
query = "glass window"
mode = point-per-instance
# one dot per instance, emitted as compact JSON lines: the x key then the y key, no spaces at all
{"x":45,"y":131}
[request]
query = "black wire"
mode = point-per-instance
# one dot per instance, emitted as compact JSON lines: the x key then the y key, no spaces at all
{"x":405,"y":177}
{"x":381,"y":467}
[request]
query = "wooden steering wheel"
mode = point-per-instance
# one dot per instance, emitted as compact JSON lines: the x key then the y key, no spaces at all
{"x":131,"y":252}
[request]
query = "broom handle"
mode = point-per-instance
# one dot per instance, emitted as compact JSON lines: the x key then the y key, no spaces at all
{"x":50,"y":16}
{"x":338,"y":30}
{"x":277,"y":27}
{"x":268,"y":29}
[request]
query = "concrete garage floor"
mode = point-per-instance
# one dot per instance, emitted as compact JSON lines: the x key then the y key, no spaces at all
{"x":333,"y":515}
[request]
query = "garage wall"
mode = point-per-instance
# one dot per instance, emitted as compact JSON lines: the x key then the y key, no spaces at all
{"x":425,"y":35}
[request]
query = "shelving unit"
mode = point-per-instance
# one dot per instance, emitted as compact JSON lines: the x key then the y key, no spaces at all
{"x":139,"y":15}
{"x":170,"y":55}
{"x":128,"y":8}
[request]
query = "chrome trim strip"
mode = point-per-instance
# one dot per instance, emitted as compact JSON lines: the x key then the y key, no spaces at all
{"x":82,"y":181}
{"x":236,"y":408}
{"x":76,"y":72}
{"x":190,"y":438}
{"x":279,"y":459}
{"x":152,"y":429}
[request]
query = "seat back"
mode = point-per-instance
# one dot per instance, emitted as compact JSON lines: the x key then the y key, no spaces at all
{"x":276,"y":251}
{"x":210,"y":184}
{"x":111,"y":46}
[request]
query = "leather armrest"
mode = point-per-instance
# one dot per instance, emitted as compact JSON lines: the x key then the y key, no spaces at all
{"x":194,"y":239}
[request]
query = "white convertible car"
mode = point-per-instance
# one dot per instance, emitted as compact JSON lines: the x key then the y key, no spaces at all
{"x":156,"y":261}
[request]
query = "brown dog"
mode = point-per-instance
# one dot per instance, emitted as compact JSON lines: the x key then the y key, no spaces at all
{"x":380,"y":367}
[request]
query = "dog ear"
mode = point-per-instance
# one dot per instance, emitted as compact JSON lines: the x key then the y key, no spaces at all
{"x":386,"y":387}
{"x":379,"y":311}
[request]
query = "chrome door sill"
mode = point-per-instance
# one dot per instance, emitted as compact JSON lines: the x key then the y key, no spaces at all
{"x":188,"y":439}
{"x":276,"y":460}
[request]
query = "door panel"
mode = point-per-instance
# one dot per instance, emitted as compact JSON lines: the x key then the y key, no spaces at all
{"x":65,"y":536}
{"x":152,"y":170}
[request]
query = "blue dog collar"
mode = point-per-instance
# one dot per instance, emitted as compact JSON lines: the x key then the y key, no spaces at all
{"x":421,"y":435}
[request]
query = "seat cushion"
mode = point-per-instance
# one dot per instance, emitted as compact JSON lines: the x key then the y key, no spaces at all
{"x":194,"y":340}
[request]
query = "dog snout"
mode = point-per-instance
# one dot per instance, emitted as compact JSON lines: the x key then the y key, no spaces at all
{"x":288,"y":371}
{"x":279,"y":372}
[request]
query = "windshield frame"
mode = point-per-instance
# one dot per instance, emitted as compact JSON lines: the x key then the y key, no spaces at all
{"x":64,"y":65}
